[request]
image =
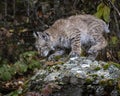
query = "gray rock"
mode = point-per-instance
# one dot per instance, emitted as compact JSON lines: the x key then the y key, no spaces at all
{"x":91,"y":77}
{"x":52,"y":77}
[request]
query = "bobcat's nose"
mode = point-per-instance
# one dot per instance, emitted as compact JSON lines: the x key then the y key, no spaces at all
{"x":44,"y":53}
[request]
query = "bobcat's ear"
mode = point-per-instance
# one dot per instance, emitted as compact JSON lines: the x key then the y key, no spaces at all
{"x":36,"y":34}
{"x":41,"y":35}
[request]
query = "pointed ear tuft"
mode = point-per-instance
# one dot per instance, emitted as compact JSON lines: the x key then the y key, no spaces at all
{"x":35,"y":34}
{"x":41,"y":35}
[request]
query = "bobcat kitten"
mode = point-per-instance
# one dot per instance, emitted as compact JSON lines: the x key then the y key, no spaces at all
{"x":72,"y":33}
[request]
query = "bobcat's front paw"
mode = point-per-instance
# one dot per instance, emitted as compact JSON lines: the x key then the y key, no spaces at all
{"x":74,"y":55}
{"x":92,"y":54}
{"x":92,"y":51}
{"x":51,"y":57}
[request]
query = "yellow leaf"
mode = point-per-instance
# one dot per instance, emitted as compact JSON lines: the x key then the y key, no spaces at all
{"x":113,"y":1}
{"x":100,"y":6}
{"x":23,"y":30}
{"x":106,"y":14}
{"x":11,"y":30}
{"x":99,"y":13}
{"x":114,"y":40}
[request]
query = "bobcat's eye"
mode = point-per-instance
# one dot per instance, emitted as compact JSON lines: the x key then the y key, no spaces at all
{"x":44,"y":37}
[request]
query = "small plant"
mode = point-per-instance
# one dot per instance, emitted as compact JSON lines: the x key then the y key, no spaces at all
{"x":103,"y":11}
{"x":27,"y":60}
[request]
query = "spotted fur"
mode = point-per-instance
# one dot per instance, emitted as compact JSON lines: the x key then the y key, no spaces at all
{"x":73,"y":33}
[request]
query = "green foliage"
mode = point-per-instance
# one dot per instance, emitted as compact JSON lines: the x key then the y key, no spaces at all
{"x":114,"y":40}
{"x":34,"y":64}
{"x":113,"y":1}
{"x":28,"y":54}
{"x":20,"y":67}
{"x":15,"y":93}
{"x":106,"y":14}
{"x":103,"y":11}
{"x":5,"y":73}
{"x":99,"y":12}
{"x":106,"y":82}
{"x":118,"y":54}
{"x":105,"y":67}
{"x":97,"y":68}
{"x":27,"y":60}
{"x":115,"y":64}
{"x":89,"y":80}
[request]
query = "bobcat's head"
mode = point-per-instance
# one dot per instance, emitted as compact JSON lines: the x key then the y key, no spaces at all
{"x":42,"y":43}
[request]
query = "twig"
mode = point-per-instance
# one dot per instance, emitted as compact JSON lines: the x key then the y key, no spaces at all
{"x":14,"y":8}
{"x":6,"y":8}
{"x":117,"y":24}
{"x":115,"y":8}
{"x":28,"y":8}
{"x":5,"y":12}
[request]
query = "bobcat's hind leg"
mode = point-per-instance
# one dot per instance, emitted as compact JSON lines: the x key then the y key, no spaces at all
{"x":100,"y":44}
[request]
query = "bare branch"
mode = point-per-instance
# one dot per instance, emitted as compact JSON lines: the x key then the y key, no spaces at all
{"x":5,"y":7}
{"x":115,"y":8}
{"x":117,"y":24}
{"x":14,"y":8}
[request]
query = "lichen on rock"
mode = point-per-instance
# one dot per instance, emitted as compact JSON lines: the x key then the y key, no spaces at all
{"x":80,"y":75}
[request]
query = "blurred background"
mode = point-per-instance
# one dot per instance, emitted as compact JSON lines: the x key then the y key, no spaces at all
{"x":20,"y":18}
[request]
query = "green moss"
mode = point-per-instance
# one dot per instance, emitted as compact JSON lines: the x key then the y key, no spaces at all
{"x":108,"y":82}
{"x":103,"y":82}
{"x":114,"y":40}
{"x":89,"y":80}
{"x":117,"y":65}
{"x":94,"y":76}
{"x":57,"y":57}
{"x":97,"y":68}
{"x":111,"y":82}
{"x":102,"y":76}
{"x":105,"y":67}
